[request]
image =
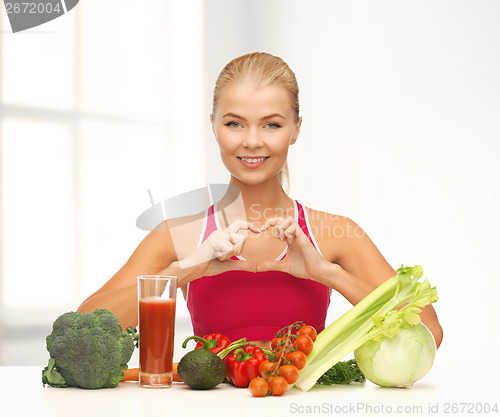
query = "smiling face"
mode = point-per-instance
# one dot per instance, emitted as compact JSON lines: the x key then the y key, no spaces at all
{"x":254,"y":126}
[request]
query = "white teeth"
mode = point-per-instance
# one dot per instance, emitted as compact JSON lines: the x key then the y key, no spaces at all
{"x":252,"y":160}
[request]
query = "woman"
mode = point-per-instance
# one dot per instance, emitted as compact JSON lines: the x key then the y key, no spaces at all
{"x":277,"y":261}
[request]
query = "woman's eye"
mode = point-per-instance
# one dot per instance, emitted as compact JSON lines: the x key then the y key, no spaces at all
{"x":273,"y":125}
{"x":232,"y":124}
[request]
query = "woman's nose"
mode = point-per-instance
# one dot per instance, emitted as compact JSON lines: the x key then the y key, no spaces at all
{"x":252,"y":139}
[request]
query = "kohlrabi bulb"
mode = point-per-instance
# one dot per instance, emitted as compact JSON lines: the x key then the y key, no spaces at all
{"x":400,"y":361}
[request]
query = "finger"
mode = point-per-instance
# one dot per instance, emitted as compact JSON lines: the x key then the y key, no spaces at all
{"x":222,"y":245}
{"x":238,"y":265}
{"x":288,"y":223}
{"x":229,"y":236}
{"x":276,"y":227}
{"x":271,"y":222}
{"x":223,"y":249}
{"x":238,"y":244}
{"x":219,"y":267}
{"x":271,"y":266}
{"x":224,"y":256}
{"x":277,"y":232}
{"x":292,"y":231}
{"x":253,"y":228}
{"x":238,"y":225}
{"x":279,"y":225}
{"x":238,"y":239}
{"x":240,"y":234}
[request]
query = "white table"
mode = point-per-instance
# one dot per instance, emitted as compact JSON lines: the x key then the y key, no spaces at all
{"x":444,"y":391}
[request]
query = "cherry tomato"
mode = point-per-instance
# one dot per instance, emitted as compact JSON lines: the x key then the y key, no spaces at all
{"x":265,"y":367}
{"x":283,"y":350}
{"x":278,"y":385}
{"x":297,"y":358}
{"x":309,"y":331}
{"x":258,"y":387}
{"x":304,"y":343}
{"x":278,"y":341}
{"x":290,"y":373}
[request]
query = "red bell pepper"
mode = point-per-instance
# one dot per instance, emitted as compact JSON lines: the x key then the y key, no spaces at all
{"x":216,"y":342}
{"x":243,"y":365}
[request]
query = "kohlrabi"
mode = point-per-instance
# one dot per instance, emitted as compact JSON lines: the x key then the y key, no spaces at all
{"x":374,"y":318}
{"x":400,"y":361}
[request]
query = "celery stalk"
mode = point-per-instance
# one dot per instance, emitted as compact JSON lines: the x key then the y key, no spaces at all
{"x":374,"y":316}
{"x":347,"y":323}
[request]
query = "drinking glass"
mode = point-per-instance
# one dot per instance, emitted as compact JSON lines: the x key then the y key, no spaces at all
{"x":157,"y":295}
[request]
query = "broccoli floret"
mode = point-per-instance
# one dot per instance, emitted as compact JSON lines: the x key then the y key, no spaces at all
{"x":87,"y":350}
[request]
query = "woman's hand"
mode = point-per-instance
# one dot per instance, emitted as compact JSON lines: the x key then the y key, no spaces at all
{"x":224,"y":244}
{"x":212,"y":257}
{"x":302,"y":259}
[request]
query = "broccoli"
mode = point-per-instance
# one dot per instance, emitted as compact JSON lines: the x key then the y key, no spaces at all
{"x":87,"y":350}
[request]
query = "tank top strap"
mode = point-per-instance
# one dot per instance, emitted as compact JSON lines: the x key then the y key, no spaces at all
{"x":209,"y":225}
{"x":303,"y":222}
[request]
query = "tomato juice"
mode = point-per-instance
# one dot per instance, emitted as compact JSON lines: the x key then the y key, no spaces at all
{"x":156,"y":339}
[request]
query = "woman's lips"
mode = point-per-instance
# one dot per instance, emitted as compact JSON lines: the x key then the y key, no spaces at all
{"x":253,"y":162}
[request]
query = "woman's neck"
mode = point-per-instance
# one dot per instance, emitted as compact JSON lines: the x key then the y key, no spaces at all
{"x":262,"y":201}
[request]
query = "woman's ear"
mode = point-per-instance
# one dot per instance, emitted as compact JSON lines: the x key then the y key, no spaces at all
{"x":297,"y":131}
{"x":213,"y":127}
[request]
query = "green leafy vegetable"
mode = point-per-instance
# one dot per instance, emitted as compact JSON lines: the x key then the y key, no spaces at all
{"x":374,"y":317}
{"x":51,"y":377}
{"x":87,"y":350}
{"x":342,"y":373}
{"x":132,"y":332}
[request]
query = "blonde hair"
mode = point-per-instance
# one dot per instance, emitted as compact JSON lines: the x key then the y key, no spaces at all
{"x":262,"y":69}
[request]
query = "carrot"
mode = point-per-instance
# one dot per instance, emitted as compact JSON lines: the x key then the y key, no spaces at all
{"x":132,"y":374}
{"x":175,"y":375}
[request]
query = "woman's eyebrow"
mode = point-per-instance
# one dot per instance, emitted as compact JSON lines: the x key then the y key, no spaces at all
{"x":273,"y":115}
{"x":236,"y":116}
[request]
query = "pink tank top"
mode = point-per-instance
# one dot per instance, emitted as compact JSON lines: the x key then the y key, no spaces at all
{"x":241,"y":303}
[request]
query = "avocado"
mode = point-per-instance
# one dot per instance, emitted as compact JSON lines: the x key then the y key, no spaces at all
{"x":201,"y":369}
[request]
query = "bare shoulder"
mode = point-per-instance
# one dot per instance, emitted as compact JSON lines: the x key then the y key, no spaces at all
{"x":331,"y":220}
{"x":331,"y":230}
{"x":343,"y":241}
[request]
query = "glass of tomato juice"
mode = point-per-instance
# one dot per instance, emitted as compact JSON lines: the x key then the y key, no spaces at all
{"x":157,"y":295}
